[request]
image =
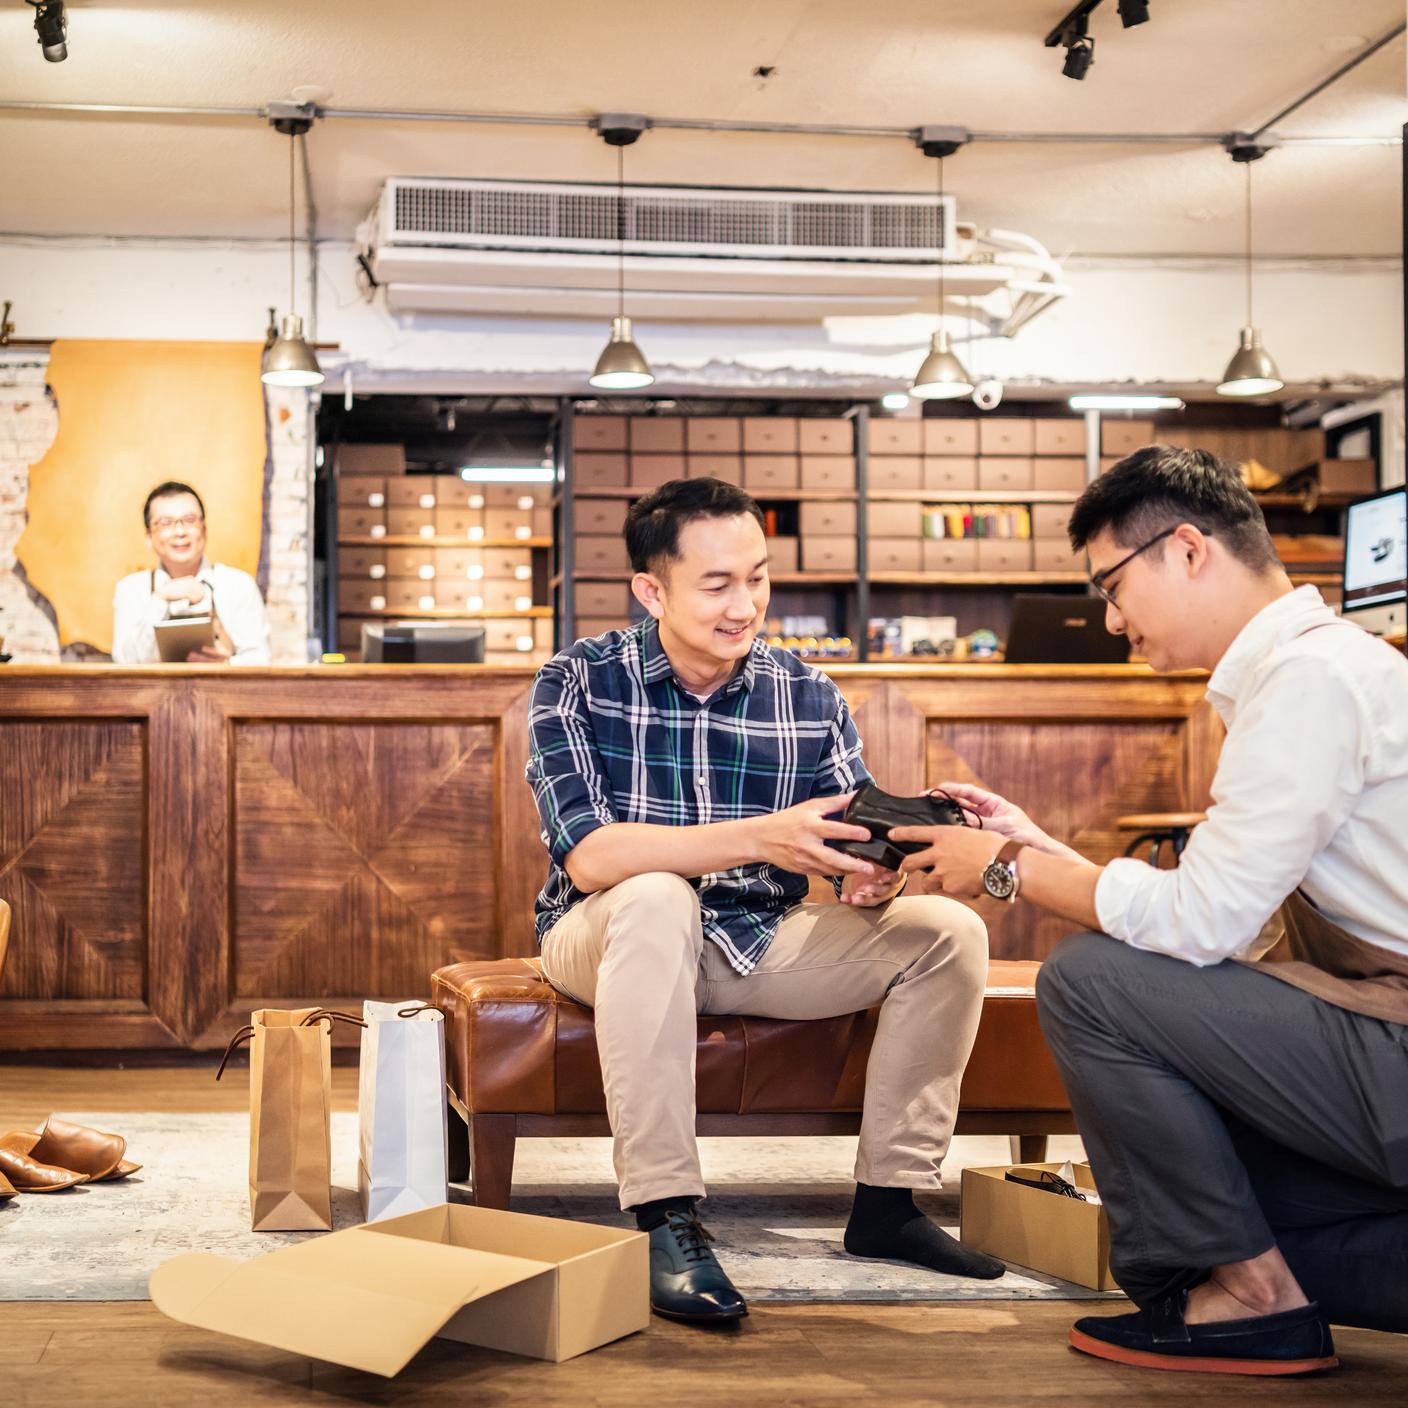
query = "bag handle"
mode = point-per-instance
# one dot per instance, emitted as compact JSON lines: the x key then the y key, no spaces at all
{"x":417,"y":1007}
{"x":331,"y":1017}
{"x":244,"y":1034}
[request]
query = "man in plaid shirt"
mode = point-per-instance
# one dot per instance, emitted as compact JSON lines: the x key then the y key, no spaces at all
{"x":688,"y":777}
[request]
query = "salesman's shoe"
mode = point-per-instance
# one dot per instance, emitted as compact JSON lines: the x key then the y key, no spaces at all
{"x":686,"y":1280}
{"x":1157,"y":1337}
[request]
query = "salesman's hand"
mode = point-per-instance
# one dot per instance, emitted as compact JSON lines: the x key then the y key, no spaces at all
{"x":190,"y":589}
{"x":867,"y":891}
{"x":219,"y":652}
{"x":953,"y":860}
{"x":795,"y":839}
{"x":998,"y":814}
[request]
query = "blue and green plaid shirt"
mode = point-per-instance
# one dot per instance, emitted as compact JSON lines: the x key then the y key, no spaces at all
{"x":613,"y":736}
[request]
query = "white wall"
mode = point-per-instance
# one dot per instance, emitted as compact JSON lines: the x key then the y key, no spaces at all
{"x":1122,"y":323}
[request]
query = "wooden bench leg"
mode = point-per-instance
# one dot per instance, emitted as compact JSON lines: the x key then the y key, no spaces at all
{"x":491,"y":1144}
{"x":1028,"y":1148}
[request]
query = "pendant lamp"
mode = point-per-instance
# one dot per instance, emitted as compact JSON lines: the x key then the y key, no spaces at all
{"x":1251,"y":372}
{"x":942,"y":377}
{"x":290,"y":361}
{"x":622,"y":365}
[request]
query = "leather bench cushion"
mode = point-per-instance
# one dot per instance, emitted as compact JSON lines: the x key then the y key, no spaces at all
{"x":515,"y":1045}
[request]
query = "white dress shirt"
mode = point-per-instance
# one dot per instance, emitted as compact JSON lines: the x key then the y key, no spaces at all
{"x":136,"y":608}
{"x":1311,"y":791}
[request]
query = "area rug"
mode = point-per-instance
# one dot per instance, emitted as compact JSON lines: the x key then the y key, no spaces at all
{"x":776,"y":1207}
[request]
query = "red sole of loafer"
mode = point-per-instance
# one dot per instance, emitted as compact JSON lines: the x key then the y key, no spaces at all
{"x":1143,"y":1359}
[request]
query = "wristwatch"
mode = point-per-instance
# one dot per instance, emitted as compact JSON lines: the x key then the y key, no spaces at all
{"x":1000,"y":879}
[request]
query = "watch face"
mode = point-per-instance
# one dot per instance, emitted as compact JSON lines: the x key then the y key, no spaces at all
{"x":999,"y":881}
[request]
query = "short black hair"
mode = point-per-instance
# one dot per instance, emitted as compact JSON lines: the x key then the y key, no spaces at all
{"x":1161,"y":486}
{"x":654,"y":522}
{"x":165,"y":491}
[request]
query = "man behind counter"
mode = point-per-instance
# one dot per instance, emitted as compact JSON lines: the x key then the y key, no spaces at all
{"x":186,"y":583}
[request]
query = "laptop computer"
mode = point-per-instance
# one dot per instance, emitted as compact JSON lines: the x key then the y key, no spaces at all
{"x":1062,"y":630}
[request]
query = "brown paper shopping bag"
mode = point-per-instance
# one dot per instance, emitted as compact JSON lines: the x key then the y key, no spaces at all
{"x":290,"y":1112}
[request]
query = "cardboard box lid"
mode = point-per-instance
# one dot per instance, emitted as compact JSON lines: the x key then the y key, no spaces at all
{"x":360,"y":1297}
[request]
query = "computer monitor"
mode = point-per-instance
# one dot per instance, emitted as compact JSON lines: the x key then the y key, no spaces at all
{"x":1062,"y":630}
{"x":1376,"y":562}
{"x":422,"y":643}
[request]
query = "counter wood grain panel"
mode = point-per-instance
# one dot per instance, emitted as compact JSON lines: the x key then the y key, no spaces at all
{"x":183,"y":844}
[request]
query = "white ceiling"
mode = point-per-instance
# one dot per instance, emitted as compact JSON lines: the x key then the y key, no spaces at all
{"x":1197,"y":66}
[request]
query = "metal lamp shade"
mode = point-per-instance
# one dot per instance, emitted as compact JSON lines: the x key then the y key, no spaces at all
{"x":622,"y":365}
{"x":290,"y":361}
{"x":942,"y":377}
{"x":1251,"y":372}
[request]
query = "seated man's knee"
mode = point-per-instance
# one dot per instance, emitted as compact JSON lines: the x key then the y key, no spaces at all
{"x":654,"y":906}
{"x":952,"y":929}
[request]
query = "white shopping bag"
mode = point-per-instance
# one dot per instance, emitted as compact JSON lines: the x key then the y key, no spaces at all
{"x":401,"y":1153}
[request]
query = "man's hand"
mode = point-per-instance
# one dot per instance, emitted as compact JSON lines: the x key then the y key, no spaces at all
{"x":865,"y":892}
{"x":219,"y":652}
{"x":795,"y":839}
{"x":1006,"y":819}
{"x":954,"y":857}
{"x":190,"y":589}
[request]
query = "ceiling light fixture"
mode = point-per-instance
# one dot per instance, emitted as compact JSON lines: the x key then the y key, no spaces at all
{"x":1080,"y":50}
{"x":1133,"y":12}
{"x":941,"y":377}
{"x":508,"y":474}
{"x":1252,"y":371}
{"x":1132,"y":402}
{"x":622,"y":365}
{"x":291,"y":361}
{"x":52,"y":27}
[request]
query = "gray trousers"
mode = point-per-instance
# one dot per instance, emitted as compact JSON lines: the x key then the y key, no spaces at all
{"x":1226,"y":1112}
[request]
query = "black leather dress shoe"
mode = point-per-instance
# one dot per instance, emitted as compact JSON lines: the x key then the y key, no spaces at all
{"x":686,"y":1280}
{"x":1158,"y":1337}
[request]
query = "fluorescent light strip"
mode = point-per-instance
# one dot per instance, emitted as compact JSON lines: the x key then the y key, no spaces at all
{"x":521,"y":474}
{"x":1126,"y":403}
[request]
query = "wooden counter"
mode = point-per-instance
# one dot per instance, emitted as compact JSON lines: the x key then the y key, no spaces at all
{"x":181,"y":844}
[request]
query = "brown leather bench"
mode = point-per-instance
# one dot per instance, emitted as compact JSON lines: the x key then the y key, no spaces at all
{"x":521,"y":1061}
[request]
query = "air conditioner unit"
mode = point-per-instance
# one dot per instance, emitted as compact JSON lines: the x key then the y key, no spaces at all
{"x":690,"y":254}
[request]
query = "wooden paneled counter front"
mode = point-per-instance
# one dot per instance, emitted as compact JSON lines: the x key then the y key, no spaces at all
{"x":182,"y":844}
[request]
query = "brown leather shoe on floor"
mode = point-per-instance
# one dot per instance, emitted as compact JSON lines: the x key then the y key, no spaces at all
{"x":7,"y":1189}
{"x":29,"y":1175}
{"x":74,"y":1146}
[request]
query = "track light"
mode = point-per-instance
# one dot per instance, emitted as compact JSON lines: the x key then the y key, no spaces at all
{"x":1133,"y":12}
{"x":1080,"y":53}
{"x":52,"y":27}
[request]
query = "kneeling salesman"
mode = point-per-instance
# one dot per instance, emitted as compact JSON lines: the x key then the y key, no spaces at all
{"x":1247,"y":1121}
{"x":687,"y":777}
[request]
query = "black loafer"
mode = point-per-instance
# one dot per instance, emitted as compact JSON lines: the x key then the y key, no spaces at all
{"x":686,"y":1280}
{"x":1157,"y":1337}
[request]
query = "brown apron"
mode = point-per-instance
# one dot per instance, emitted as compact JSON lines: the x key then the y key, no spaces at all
{"x":1326,"y":961}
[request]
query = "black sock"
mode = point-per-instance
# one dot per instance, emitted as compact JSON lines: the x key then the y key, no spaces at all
{"x":886,"y":1224}
{"x":651,"y":1215}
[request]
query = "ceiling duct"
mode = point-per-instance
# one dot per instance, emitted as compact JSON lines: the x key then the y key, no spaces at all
{"x":692,"y":254}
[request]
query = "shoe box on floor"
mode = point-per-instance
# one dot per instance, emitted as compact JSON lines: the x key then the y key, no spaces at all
{"x":369,"y":1297}
{"x":1059,"y":1235}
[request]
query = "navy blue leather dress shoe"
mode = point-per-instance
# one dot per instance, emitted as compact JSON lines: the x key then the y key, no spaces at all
{"x":1158,"y":1337}
{"x":686,"y":1280}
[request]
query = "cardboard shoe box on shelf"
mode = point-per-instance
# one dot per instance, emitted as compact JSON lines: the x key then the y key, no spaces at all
{"x":651,"y":471}
{"x":599,"y":432}
{"x":895,"y":437}
{"x":369,"y":1297}
{"x":508,"y":524}
{"x":728,"y":468}
{"x":1348,"y":476}
{"x":1031,"y":1227}
{"x":764,"y":472}
{"x":361,"y":594}
{"x":1010,"y":436}
{"x":1055,"y":555}
{"x":950,"y":474}
{"x":1060,"y":437}
{"x":1049,"y":520}
{"x":589,"y":626}
{"x":1004,"y":555}
{"x":599,"y":516}
{"x":466,"y":523}
{"x":361,"y":562}
{"x":828,"y":554}
{"x":898,"y":520}
{"x":599,"y":471}
{"x":887,"y":473}
{"x":783,"y":555}
{"x":410,"y":522}
{"x":1062,"y":474}
{"x":832,"y":472}
{"x":1005,"y":472}
{"x":943,"y":436}
{"x":713,"y":435}
{"x":515,"y":563}
{"x":462,"y":564}
{"x":769,"y":435}
{"x":826,"y":435}
{"x":895,"y":554}
{"x":601,"y":554}
{"x":949,"y":554}
{"x":1123,"y":437}
{"x":420,"y":563}
{"x":361,"y":490}
{"x":358,"y":522}
{"x":828,"y":520}
{"x":602,"y":599}
{"x":657,"y":435}
{"x":412,"y":491}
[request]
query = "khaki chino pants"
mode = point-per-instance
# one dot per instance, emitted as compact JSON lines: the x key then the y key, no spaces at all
{"x":637,"y":955}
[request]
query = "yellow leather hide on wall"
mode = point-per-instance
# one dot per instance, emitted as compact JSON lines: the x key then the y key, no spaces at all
{"x":132,"y":414}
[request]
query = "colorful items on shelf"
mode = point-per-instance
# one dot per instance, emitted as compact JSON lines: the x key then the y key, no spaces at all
{"x":977,"y":521}
{"x":809,"y":637}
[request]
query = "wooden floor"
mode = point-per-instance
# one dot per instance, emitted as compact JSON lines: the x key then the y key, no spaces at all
{"x":126,"y":1355}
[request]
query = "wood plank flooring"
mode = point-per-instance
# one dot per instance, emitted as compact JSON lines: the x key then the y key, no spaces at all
{"x":127,"y":1355}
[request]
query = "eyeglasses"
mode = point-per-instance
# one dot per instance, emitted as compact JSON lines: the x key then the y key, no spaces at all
{"x":187,"y":520}
{"x":1100,"y":578}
